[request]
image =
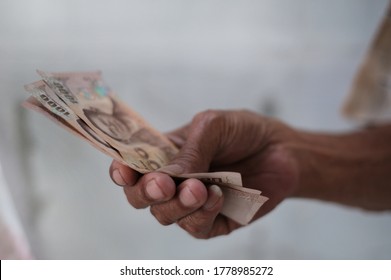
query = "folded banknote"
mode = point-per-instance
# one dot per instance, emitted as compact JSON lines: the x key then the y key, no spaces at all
{"x":84,"y":105}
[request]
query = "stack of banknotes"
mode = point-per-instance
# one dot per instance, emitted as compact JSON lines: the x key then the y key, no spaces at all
{"x":84,"y":105}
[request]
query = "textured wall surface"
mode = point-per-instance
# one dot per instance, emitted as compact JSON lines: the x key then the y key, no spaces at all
{"x":169,"y":60}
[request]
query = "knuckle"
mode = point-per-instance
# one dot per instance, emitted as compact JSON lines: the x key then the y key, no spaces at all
{"x":133,"y":199}
{"x":161,"y":216}
{"x":135,"y":203}
{"x":189,"y":157}
{"x":196,"y":229}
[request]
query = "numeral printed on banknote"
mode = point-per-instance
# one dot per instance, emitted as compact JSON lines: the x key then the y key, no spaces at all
{"x":84,"y":105}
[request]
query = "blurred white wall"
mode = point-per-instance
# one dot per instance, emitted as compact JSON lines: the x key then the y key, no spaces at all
{"x":169,"y":60}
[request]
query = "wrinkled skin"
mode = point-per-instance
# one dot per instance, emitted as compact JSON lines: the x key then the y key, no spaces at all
{"x":240,"y":141}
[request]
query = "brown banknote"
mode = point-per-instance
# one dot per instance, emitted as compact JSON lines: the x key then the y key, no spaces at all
{"x":140,"y":145}
{"x":81,"y":103}
{"x":53,"y":105}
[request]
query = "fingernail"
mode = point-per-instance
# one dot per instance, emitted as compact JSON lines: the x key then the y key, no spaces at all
{"x":154,"y":191}
{"x":118,"y":179}
{"x":172,"y":169}
{"x":214,"y":197}
{"x":187,"y":197}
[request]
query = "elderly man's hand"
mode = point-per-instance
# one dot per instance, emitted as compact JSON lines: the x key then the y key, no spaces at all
{"x":238,"y":141}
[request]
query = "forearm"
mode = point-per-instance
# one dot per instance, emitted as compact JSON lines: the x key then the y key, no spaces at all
{"x":352,"y":169}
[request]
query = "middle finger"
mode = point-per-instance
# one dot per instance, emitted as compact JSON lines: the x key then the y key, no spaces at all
{"x":150,"y":189}
{"x":191,"y":195}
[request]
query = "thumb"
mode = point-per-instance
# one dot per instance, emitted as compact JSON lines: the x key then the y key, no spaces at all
{"x":198,"y":143}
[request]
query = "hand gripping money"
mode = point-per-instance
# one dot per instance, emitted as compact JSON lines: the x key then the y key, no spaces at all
{"x":190,"y":188}
{"x":84,"y":105}
{"x":350,"y":168}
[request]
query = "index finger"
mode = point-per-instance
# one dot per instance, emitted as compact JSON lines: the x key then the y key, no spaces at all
{"x":123,"y":175}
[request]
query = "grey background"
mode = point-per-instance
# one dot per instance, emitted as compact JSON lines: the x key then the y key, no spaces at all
{"x":169,"y":60}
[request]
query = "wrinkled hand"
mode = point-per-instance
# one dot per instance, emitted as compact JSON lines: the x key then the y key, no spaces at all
{"x":239,"y":141}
